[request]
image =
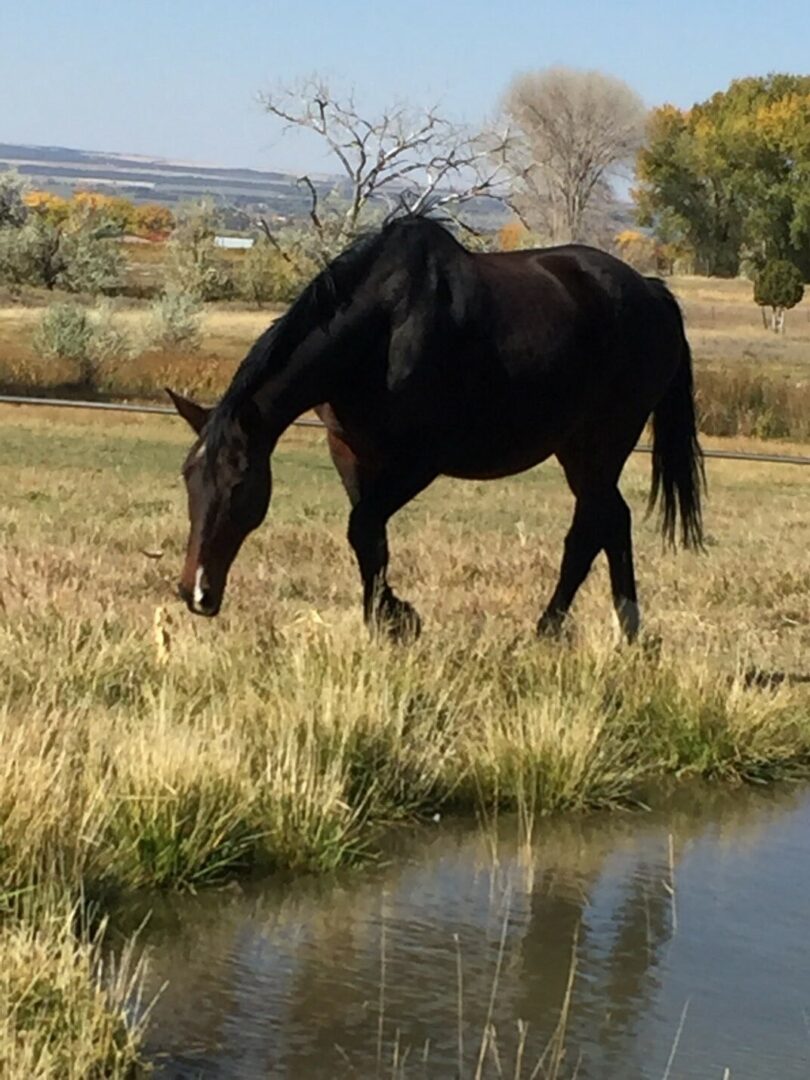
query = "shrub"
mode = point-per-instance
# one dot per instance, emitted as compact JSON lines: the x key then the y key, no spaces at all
{"x":110,"y":340}
{"x":13,"y":210}
{"x":778,"y":286}
{"x":92,"y":262}
{"x":14,"y":270}
{"x":31,"y":254}
{"x":267,"y":275}
{"x":746,"y":401}
{"x":81,"y":259}
{"x":86,"y":338}
{"x":194,"y":268}
{"x":65,"y":331}
{"x":174,"y":319}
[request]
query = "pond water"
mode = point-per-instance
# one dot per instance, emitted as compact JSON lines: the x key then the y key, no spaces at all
{"x":688,"y":927}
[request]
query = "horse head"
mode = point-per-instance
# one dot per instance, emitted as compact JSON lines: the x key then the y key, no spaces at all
{"x":228,"y":483}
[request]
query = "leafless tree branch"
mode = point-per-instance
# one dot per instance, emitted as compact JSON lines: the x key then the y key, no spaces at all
{"x":418,"y":159}
{"x":273,"y":241}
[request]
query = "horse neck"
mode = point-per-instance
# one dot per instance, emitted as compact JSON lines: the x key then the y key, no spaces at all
{"x":309,"y":378}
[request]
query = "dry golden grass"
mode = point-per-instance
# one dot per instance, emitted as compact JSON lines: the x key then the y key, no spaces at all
{"x":63,"y":1014}
{"x":278,"y":736}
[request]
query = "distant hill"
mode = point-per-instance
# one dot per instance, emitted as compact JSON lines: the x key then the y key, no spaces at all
{"x":61,"y":170}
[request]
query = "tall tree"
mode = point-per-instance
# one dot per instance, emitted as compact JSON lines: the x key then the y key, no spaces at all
{"x":731,"y":175}
{"x":572,"y":132}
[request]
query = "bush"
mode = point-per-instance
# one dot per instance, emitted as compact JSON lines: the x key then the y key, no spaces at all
{"x":194,"y":268}
{"x":110,"y":339}
{"x":41,"y":253}
{"x":778,"y":286}
{"x":92,"y":263}
{"x":65,"y":331}
{"x":174,"y":319}
{"x":14,"y":271}
{"x":84,"y":337}
{"x":31,"y":254}
{"x":13,"y":210}
{"x":267,"y":275}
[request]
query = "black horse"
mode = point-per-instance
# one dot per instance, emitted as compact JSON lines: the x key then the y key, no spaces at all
{"x":425,"y":359}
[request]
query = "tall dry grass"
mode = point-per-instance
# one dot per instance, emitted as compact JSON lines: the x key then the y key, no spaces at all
{"x":64,"y":1014}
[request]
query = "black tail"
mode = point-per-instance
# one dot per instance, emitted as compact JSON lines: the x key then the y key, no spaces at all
{"x":678,"y":477}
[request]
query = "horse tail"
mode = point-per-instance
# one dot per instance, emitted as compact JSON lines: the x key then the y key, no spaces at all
{"x":678,"y":476}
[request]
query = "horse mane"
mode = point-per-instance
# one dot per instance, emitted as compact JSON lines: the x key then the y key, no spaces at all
{"x":318,"y":303}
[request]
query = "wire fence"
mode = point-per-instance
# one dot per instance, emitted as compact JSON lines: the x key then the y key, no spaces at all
{"x":162,"y":410}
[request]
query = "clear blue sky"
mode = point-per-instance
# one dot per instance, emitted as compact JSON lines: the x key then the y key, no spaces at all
{"x":179,"y":78}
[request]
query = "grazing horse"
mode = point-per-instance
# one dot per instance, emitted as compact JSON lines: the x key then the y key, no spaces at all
{"x":425,"y":359}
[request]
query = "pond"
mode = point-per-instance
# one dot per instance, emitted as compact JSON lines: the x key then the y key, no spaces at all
{"x":671,"y":944}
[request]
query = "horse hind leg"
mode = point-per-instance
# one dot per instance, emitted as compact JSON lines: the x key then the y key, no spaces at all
{"x":601,"y":522}
{"x":619,"y":551}
{"x":582,"y":544}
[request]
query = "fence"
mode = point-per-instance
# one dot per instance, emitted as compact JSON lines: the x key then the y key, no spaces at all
{"x":161,"y":410}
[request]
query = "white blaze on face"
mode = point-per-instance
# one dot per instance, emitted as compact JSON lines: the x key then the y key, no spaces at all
{"x":199,"y":594}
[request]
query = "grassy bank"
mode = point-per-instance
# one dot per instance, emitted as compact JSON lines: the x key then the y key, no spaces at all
{"x":63,"y":1016}
{"x":142,"y":747}
{"x":750,"y":382}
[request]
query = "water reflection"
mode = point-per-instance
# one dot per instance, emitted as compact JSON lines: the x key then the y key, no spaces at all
{"x":328,"y":978}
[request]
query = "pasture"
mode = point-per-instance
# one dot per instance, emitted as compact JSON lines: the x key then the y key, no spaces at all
{"x":145,"y":748}
{"x":278,"y":734}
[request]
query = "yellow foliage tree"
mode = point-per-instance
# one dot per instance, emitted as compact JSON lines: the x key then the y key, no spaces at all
{"x":51,"y":208}
{"x":639,"y":250}
{"x":152,"y":221}
{"x":512,"y":235}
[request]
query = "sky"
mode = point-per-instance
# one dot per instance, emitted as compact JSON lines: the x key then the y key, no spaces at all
{"x":181,"y":78}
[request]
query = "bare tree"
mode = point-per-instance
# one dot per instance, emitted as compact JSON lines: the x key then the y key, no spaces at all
{"x":414,"y":158}
{"x":572,"y":132}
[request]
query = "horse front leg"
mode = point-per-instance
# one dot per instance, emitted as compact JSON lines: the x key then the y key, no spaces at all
{"x":379,"y":500}
{"x":384,"y":612}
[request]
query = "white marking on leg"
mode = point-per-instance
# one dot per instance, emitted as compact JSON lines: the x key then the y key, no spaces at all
{"x":628,"y":617}
{"x":198,"y":588}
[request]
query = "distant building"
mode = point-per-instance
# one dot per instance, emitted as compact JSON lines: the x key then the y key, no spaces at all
{"x":237,"y":242}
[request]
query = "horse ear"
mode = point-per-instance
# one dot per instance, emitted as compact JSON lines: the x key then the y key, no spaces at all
{"x":194,"y":415}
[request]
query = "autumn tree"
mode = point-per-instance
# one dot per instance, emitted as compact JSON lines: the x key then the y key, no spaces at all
{"x":414,"y":158}
{"x":152,"y":221}
{"x":639,"y":250}
{"x":572,"y":133}
{"x":48,"y":207}
{"x":75,"y":252}
{"x":730,"y":177}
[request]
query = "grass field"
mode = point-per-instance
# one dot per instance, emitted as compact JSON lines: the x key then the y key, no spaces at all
{"x":142,"y":747}
{"x":750,"y":381}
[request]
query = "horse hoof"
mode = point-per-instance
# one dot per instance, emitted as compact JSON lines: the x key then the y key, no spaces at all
{"x":399,"y":621}
{"x":551,"y":627}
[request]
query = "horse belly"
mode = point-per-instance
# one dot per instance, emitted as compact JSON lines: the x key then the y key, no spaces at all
{"x":490,"y":460}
